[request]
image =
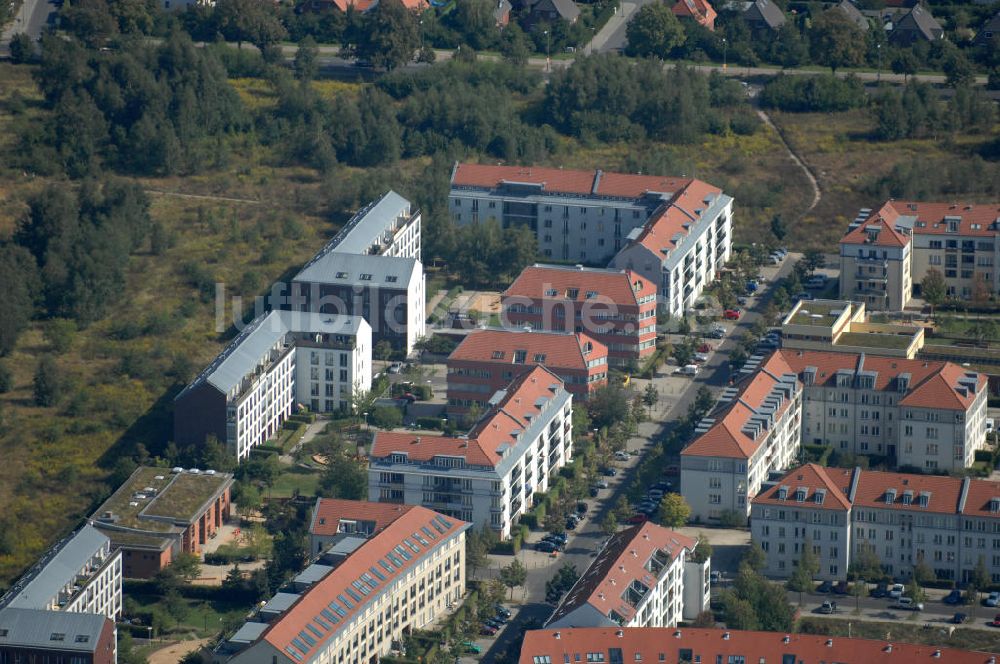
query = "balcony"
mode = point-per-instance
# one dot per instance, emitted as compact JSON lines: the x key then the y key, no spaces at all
{"x":872,"y":260}
{"x":864,"y":273}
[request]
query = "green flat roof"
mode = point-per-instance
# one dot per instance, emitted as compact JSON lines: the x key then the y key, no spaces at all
{"x":175,"y":497}
{"x":875,"y":340}
{"x":817,"y":313}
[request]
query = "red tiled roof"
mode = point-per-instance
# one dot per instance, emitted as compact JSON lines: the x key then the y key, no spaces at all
{"x":622,"y":287}
{"x":811,"y":477}
{"x":725,"y":438}
{"x":365,"y":5}
{"x":622,"y":561}
{"x":558,"y":180}
{"x":560,"y":350}
{"x":885,"y":222}
{"x":699,"y":10}
{"x":930,"y":217}
{"x":710,"y":645}
{"x":335,"y":584}
{"x":932,"y":384}
{"x":977,"y":501}
{"x":659,"y":234}
{"x":873,"y":484}
{"x":511,"y":415}
{"x":328,"y":512}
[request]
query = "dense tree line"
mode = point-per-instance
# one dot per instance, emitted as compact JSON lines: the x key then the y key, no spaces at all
{"x":917,"y":111}
{"x":610,"y":99}
{"x":139,"y":108}
{"x":812,"y":94}
{"x":68,"y":255}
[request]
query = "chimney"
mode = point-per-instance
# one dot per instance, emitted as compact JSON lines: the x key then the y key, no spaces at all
{"x":620,"y":634}
{"x":556,"y":635}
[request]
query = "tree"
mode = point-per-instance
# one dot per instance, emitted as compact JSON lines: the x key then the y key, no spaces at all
{"x":187,"y":566}
{"x":704,"y":401}
{"x":866,"y":563}
{"x":389,"y":35}
{"x":48,"y":382}
{"x":702,"y":550}
{"x":607,"y":405}
{"x":609,"y":525}
{"x":514,"y":45}
{"x":983,"y":329}
{"x":476,"y":550}
{"x":654,"y":31}
{"x":386,"y":417}
{"x":922,"y":572}
{"x":6,"y":379}
{"x":684,"y":326}
{"x":958,"y":70}
{"x":650,"y":397}
{"x":22,"y":48}
{"x":801,"y":579}
{"x":306,"y":59}
{"x":836,"y":41}
{"x":778,"y":228}
{"x":513,"y":575}
{"x":344,"y":478}
{"x":915,"y":591}
{"x":674,"y":510}
{"x":754,"y":558}
{"x":906,"y":63}
{"x":813,"y":260}
{"x":739,"y":612}
{"x":933,"y":288}
{"x":255,"y":21}
{"x":19,"y":276}
{"x":382,"y":350}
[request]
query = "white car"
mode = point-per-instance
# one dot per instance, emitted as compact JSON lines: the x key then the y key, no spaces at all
{"x":989,"y":425}
{"x":621,"y":456}
{"x":907,"y":604}
{"x":395,"y":367}
{"x":701,"y":357}
{"x":688,"y":370}
{"x":896,"y":590}
{"x":993,"y":599}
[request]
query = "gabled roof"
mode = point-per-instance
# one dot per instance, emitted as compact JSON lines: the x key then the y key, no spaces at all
{"x":666,"y":644}
{"x":663,"y":232}
{"x":519,"y":406}
{"x":816,"y":482}
{"x":366,"y":5}
{"x":853,"y":14}
{"x":346,"y":269}
{"x":726,"y":437}
{"x":329,"y":512}
{"x":699,"y":10}
{"x":982,"y":499}
{"x":873,"y":486}
{"x":989,"y":30}
{"x":369,"y":223}
{"x":934,"y":218}
{"x":618,"y":566}
{"x":765,"y":11}
{"x":558,"y":282}
{"x":363,"y":575}
{"x":878,"y":230}
{"x":35,"y":629}
{"x":557,"y":350}
{"x":919,"y":19}
{"x":929,"y":384}
{"x":57,"y":568}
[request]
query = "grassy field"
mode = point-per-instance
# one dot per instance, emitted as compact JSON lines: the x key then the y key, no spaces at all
{"x":254,"y":222}
{"x":906,"y":632}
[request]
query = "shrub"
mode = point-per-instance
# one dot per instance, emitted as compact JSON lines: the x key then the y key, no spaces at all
{"x":809,"y":94}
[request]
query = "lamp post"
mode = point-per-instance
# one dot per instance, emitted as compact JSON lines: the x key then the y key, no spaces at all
{"x":724,"y":54}
{"x":367,"y":428}
{"x":878,"y":49}
{"x":548,"y":62}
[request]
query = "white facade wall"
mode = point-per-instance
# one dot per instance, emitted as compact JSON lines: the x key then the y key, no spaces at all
{"x":663,"y":605}
{"x":782,"y":531}
{"x":697,"y":588}
{"x":102,"y":593}
{"x":326,"y":378}
{"x":416,"y":301}
{"x":259,"y":411}
{"x":496,"y":497}
{"x":961,"y":259}
{"x":691,"y":265}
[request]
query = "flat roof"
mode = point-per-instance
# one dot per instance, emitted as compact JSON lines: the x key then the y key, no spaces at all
{"x":820,"y":313}
{"x":175,"y":499}
{"x":875,"y":340}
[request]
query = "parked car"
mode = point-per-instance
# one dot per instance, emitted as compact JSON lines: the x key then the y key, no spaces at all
{"x":954,"y":597}
{"x":655,"y":494}
{"x":594,"y":491}
{"x":732,"y":314}
{"x":804,"y":296}
{"x":841,"y":588}
{"x":705,"y":348}
{"x":742,"y":300}
{"x":959,"y":618}
{"x":996,"y":621}
{"x":486,"y":630}
{"x":701,"y":357}
{"x":993,"y":599}
{"x":609,"y":472}
{"x":492,"y":622}
{"x":689,"y":370}
{"x":503,"y":610}
{"x":621,"y":456}
{"x":570,"y":524}
{"x":395,"y":367}
{"x":601,"y":484}
{"x":662,"y":485}
{"x":752,"y":286}
{"x":907,"y":604}
{"x":545,"y":546}
{"x":638,"y":518}
{"x":715,"y":577}
{"x":827,"y":607}
{"x":581,"y":507}
{"x":824,"y":587}
{"x":881,"y":590}
{"x":896,"y":590}
{"x":560,"y":538}
{"x":716,"y":333}
{"x":471,"y":648}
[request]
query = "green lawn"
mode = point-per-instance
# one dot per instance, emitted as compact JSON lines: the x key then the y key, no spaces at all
{"x":870,"y":340}
{"x":906,"y":632}
{"x":296,"y":478}
{"x":181,"y":616}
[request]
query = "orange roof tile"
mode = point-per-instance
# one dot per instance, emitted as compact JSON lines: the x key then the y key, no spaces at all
{"x":560,"y":350}
{"x":622,"y":287}
{"x":622,"y":562}
{"x":932,"y":384}
{"x":931,"y":217}
{"x":511,"y":415}
{"x":284,"y":633}
{"x":699,"y":10}
{"x":980,"y":497}
{"x":725,"y":438}
{"x":814,"y":479}
{"x":660,"y":234}
{"x":872,"y":487}
{"x":328,"y":513}
{"x":656,"y":644}
{"x":883,"y":221}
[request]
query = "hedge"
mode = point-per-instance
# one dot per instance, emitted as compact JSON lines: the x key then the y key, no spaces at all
{"x":429,"y":422}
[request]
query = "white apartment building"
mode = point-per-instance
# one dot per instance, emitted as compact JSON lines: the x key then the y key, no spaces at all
{"x":644,"y":577}
{"x":490,"y":476}
{"x":80,"y":574}
{"x":401,"y":578}
{"x":372,"y":269}
{"x":918,"y":414}
{"x":676,"y":232}
{"x":281,"y":360}
{"x":754,"y":430}
{"x":886,"y":254}
{"x":950,"y":523}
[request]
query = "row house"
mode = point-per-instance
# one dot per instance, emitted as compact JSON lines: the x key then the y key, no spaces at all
{"x":491,"y":475}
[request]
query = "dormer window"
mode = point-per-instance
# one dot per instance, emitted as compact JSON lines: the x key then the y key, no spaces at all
{"x":572,"y":293}
{"x":890,"y":496}
{"x":783,"y":493}
{"x":819,"y":496}
{"x":498,"y":355}
{"x":925,"y":498}
{"x":995,"y":505}
{"x":550,"y":292}
{"x":800,"y":495}
{"x":539,"y":357}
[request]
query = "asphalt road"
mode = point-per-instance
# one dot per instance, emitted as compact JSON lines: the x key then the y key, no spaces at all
{"x":31,"y":18}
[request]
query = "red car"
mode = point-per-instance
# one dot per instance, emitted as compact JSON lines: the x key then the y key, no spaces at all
{"x":996,"y":621}
{"x":705,"y":348}
{"x":732,"y":314}
{"x":638,"y":518}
